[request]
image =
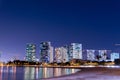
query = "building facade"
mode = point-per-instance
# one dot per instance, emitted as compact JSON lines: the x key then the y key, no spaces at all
{"x":91,"y":55}
{"x":103,"y":55}
{"x":30,"y":52}
{"x":51,"y":54}
{"x":61,"y":54}
{"x":114,"y":56}
{"x":65,"y":56}
{"x":75,"y":51}
{"x":58,"y":55}
{"x":46,"y":52}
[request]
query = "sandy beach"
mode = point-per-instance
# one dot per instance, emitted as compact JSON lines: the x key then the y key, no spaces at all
{"x":95,"y":73}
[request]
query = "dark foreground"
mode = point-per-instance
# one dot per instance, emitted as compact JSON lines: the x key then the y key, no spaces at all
{"x":95,"y":73}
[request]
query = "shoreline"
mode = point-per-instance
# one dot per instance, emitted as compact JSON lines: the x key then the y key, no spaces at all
{"x":75,"y":67}
{"x":86,"y":72}
{"x":93,"y":73}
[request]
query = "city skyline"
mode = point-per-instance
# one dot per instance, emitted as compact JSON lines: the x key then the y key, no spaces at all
{"x":95,"y":24}
{"x":67,"y":52}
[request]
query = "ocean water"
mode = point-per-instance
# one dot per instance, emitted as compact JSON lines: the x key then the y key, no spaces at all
{"x":32,"y":73}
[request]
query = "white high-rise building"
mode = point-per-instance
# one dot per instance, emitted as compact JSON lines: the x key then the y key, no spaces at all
{"x":51,"y":54}
{"x":58,"y":55}
{"x":91,"y":55}
{"x":61,"y":54}
{"x":75,"y":51}
{"x":64,"y":54}
{"x":114,"y":56}
{"x":103,"y":54}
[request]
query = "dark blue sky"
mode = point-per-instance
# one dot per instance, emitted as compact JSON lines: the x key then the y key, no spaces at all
{"x":94,"y":23}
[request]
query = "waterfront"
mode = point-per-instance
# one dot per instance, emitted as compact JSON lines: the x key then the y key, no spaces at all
{"x":93,"y":73}
{"x":32,"y":73}
{"x":60,"y":73}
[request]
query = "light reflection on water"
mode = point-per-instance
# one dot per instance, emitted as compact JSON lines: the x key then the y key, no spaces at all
{"x":32,"y":73}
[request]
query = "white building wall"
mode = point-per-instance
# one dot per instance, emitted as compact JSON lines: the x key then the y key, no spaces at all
{"x":103,"y":54}
{"x":76,"y":50}
{"x":58,"y":55}
{"x":91,"y":55}
{"x":64,"y":54}
{"x":61,"y":55}
{"x":51,"y":54}
{"x":114,"y":56}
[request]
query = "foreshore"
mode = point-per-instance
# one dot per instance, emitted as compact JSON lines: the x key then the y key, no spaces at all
{"x":86,"y":72}
{"x":92,"y":73}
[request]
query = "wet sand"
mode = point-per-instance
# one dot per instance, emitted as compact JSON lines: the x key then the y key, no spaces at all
{"x":95,"y":73}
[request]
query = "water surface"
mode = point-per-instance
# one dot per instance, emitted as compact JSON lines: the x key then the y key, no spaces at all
{"x":32,"y":73}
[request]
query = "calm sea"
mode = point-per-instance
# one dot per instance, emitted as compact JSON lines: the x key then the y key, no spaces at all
{"x":32,"y":73}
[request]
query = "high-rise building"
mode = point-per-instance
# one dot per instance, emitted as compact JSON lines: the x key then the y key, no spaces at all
{"x":46,"y":52}
{"x":103,"y":55}
{"x":91,"y":55}
{"x":61,"y":54}
{"x":30,"y":52}
{"x":69,"y":56}
{"x":51,"y":54}
{"x":65,"y":56}
{"x":75,"y":50}
{"x":58,"y":55}
{"x":115,"y":56}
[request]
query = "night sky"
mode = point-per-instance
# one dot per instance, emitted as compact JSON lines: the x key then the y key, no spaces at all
{"x":94,"y":23}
